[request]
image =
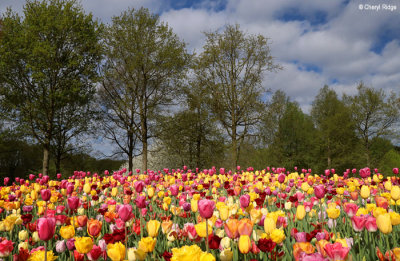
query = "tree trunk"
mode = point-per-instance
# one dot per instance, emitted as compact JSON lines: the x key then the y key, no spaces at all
{"x":58,"y":163}
{"x":367,"y":153}
{"x":46,"y":158}
{"x":144,"y":142}
{"x":234,"y":149}
{"x":130,"y":152}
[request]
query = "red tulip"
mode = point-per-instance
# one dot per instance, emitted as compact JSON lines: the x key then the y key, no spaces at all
{"x":31,"y":176}
{"x":395,"y":171}
{"x":140,"y":201}
{"x":46,"y":228}
{"x":95,"y":253}
{"x":206,"y":208}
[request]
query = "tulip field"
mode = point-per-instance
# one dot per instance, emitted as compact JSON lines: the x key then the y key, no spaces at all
{"x":213,"y":214}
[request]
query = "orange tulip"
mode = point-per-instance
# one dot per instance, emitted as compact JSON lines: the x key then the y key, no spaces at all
{"x":245,"y":227}
{"x":321,"y":246}
{"x":231,"y":228}
{"x":94,"y":227}
{"x":354,"y":195}
{"x":298,"y":248}
{"x":166,"y":226}
{"x":81,"y":220}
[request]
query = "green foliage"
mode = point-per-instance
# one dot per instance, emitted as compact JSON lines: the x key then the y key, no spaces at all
{"x":145,"y":64}
{"x":292,"y":145}
{"x":390,"y":160}
{"x":48,"y":64}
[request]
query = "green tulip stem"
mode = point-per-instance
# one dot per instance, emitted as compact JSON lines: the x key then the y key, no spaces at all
{"x":206,"y":239}
{"x":126,"y":242}
{"x":45,"y":251}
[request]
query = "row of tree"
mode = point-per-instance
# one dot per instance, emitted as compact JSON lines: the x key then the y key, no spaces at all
{"x":65,"y":77}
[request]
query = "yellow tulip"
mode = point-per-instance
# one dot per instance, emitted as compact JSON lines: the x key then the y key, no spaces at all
{"x":300,"y":212}
{"x":278,"y":236}
{"x":67,"y":232}
{"x":269,"y":225}
{"x":186,"y":253}
{"x":194,"y":206}
{"x":384,"y":223}
{"x":226,"y":255}
{"x":136,"y":254}
{"x":244,"y":244}
{"x":333,"y":213}
{"x":395,"y":192}
{"x":116,"y":252}
{"x":224,"y":212}
{"x":152,"y":227}
{"x":22,"y":235}
{"x":206,"y":257}
{"x":83,"y":244}
{"x":147,"y":244}
{"x":365,"y":192}
{"x":201,"y":229}
{"x":394,"y":218}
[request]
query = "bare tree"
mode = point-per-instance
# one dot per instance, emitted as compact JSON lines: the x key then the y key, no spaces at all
{"x":234,"y":64}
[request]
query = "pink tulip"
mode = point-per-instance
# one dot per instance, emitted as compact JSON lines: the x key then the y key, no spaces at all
{"x":365,"y":172}
{"x":336,"y":251}
{"x":358,"y":223}
{"x":6,"y":180}
{"x":206,"y":208}
{"x":327,"y":172}
{"x":244,"y":201}
{"x":46,"y":228}
{"x":73,"y":203}
{"x":370,"y":224}
{"x":125,"y":212}
{"x":140,"y":201}
{"x":46,"y":194}
{"x":139,"y":185}
{"x":31,"y":176}
{"x":137,"y":171}
{"x":333,"y":171}
{"x":354,"y":171}
{"x":395,"y":171}
{"x":319,"y":191}
{"x":174,"y":190}
{"x":281,"y":178}
{"x":300,"y":237}
{"x":351,"y":209}
{"x":58,"y":175}
{"x":70,"y":189}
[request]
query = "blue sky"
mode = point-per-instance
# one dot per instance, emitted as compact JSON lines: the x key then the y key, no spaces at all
{"x":317,"y":42}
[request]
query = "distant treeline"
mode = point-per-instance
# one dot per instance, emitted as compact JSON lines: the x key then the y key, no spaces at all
{"x":66,"y":77}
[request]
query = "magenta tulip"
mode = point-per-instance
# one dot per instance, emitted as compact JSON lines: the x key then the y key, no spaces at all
{"x":281,"y":178}
{"x":319,"y":191}
{"x":125,"y":212}
{"x":140,"y":201}
{"x":395,"y":171}
{"x":139,"y":185}
{"x":174,"y":190}
{"x":46,"y":194}
{"x":73,"y":203}
{"x":206,"y":208}
{"x":46,"y":228}
{"x":244,"y":201}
